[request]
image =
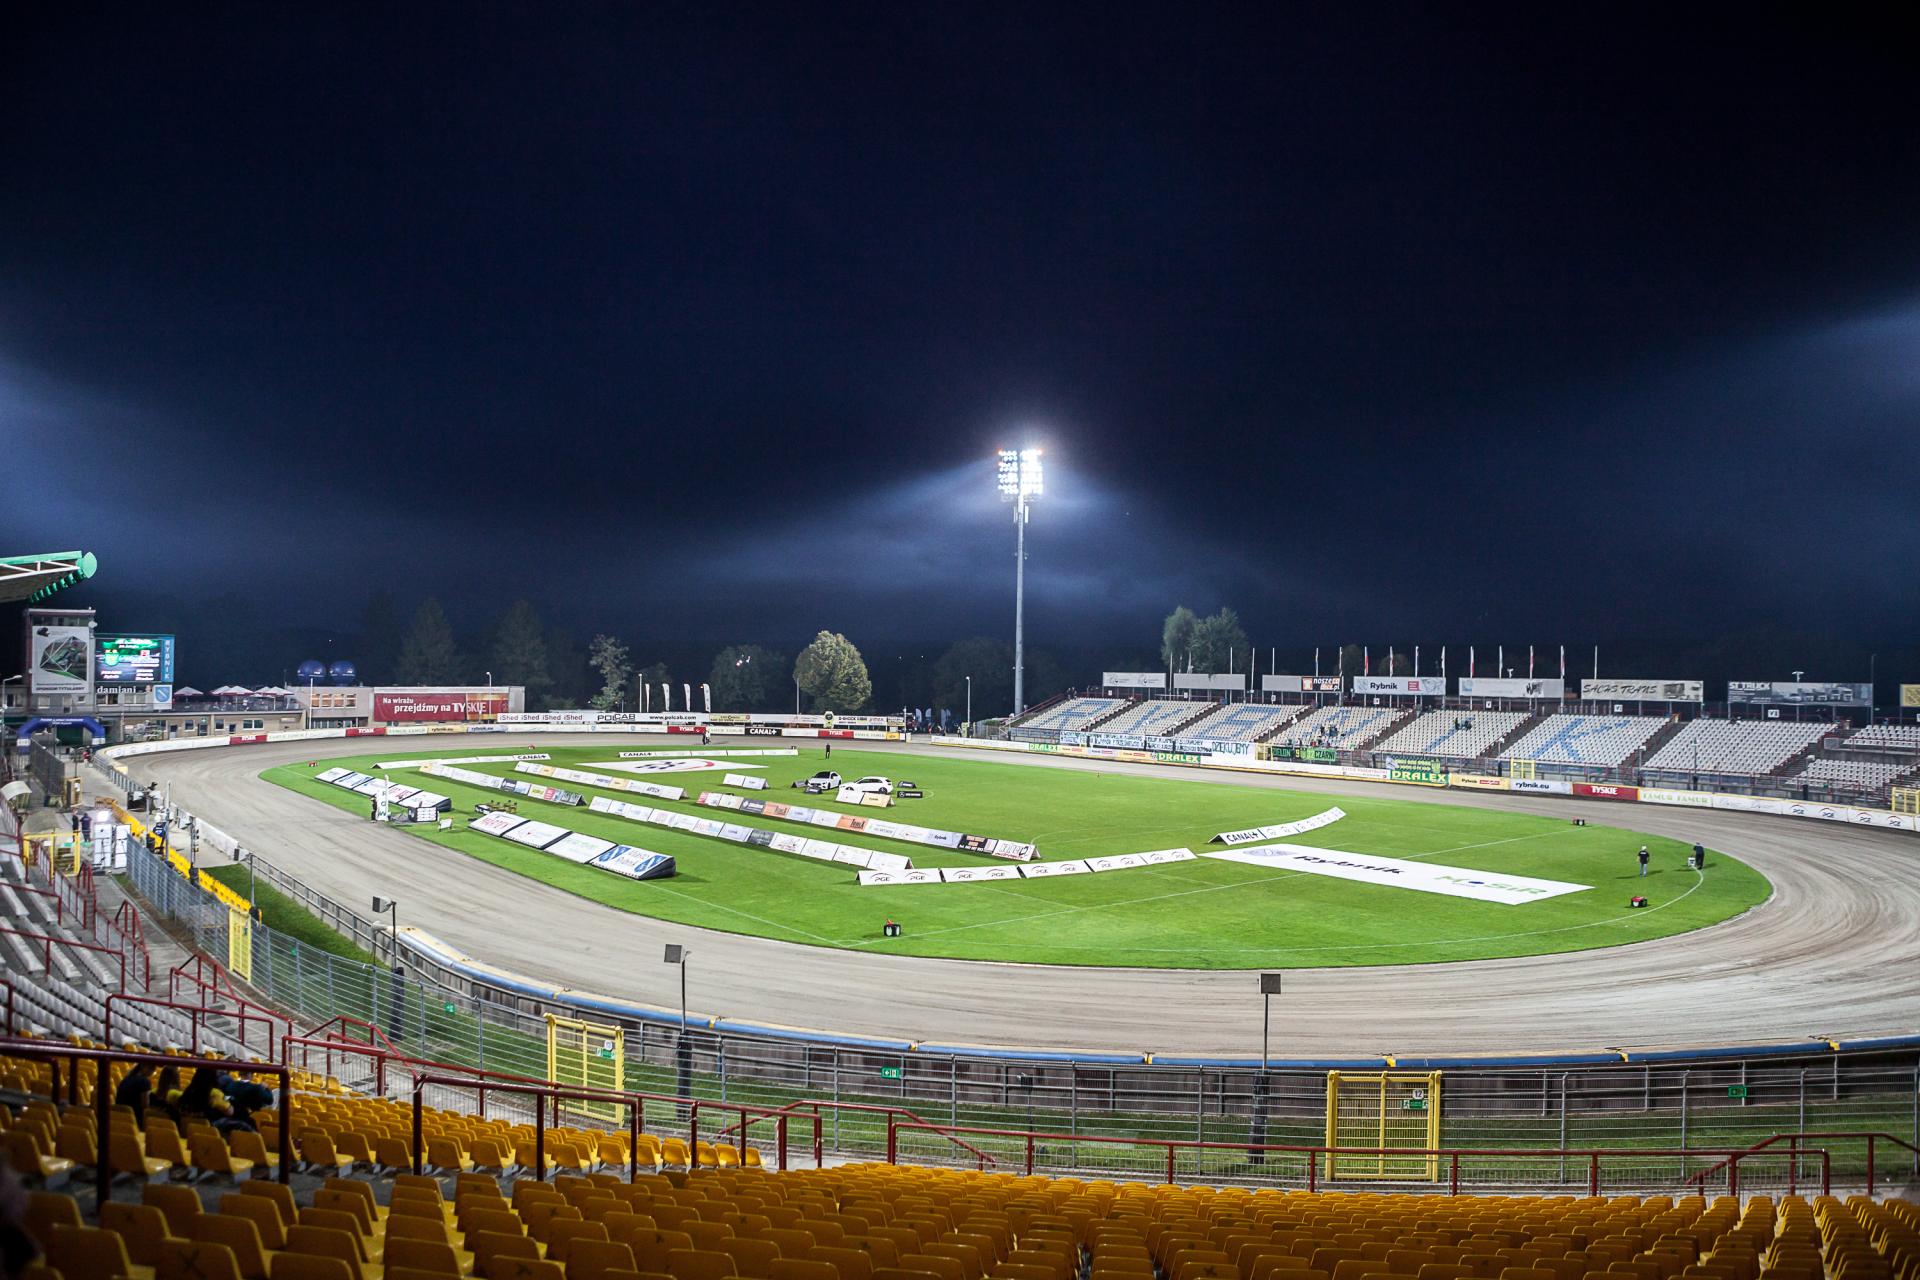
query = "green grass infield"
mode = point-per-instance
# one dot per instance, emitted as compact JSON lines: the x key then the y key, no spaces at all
{"x":1203,"y":914}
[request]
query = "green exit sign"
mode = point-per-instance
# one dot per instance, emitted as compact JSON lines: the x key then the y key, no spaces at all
{"x":448,"y":1006}
{"x":889,"y":1073}
{"x":1413,"y":1104}
{"x":1736,"y":1091}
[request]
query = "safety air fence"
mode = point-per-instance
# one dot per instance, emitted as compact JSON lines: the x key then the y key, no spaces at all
{"x":378,"y":1027}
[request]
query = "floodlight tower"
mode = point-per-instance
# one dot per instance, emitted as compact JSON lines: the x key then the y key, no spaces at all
{"x":1019,"y":484}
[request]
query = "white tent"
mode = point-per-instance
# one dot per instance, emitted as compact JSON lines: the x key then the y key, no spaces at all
{"x":187,"y":691}
{"x":226,"y":690}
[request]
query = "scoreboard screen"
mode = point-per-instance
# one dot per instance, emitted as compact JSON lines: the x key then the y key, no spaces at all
{"x":133,"y":659}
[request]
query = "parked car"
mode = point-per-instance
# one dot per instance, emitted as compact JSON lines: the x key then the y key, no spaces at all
{"x":872,"y":785}
{"x":825,"y":780}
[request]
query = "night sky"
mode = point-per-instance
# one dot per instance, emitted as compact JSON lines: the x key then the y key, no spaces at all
{"x":701,"y":324}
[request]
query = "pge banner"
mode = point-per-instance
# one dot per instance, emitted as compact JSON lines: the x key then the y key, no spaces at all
{"x":1488,"y":687}
{"x":1134,"y":679}
{"x":1402,"y":686}
{"x":1804,"y":694}
{"x":1643,"y":690}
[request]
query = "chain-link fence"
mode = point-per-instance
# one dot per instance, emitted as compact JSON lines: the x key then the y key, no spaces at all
{"x":1094,"y":1112}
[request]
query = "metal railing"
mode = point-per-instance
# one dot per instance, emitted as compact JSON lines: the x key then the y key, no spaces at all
{"x":104,"y":1060}
{"x":1872,"y":1140}
{"x":432,"y":1014}
{"x":1310,"y":1166}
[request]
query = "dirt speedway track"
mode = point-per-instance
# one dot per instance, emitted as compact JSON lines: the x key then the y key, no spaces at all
{"x":1835,"y":952}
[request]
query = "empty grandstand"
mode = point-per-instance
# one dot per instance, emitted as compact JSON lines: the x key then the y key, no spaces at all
{"x":1242,"y":722}
{"x":1602,"y":741}
{"x":1155,"y":718}
{"x":1071,"y":715}
{"x":1736,"y":746}
{"x":1886,"y":737}
{"x":1342,"y":728}
{"x":1457,"y":735}
{"x":1855,"y":775}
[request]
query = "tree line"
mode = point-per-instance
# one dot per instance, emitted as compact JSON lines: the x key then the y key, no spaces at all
{"x":561,"y":670}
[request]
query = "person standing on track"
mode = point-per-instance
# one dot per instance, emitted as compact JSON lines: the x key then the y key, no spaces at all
{"x":1645,"y":857}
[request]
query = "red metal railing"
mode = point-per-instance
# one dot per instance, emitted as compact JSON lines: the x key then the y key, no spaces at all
{"x":49,"y":942}
{"x":635,"y":1103}
{"x":219,"y":986}
{"x":196,"y":1014}
{"x":1729,"y":1159}
{"x":1793,"y":1141}
{"x":104,"y":1059}
{"x":82,"y":899}
{"x":812,"y":1108}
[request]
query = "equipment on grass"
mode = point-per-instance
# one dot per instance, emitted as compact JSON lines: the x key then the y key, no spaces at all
{"x":1636,"y":901}
{"x":890,"y":930}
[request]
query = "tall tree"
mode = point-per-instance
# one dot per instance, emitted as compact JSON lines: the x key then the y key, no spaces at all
{"x":573,"y":679}
{"x":746,"y":677}
{"x":990,"y":663}
{"x":832,"y":672}
{"x":1176,"y":638}
{"x":428,"y":654}
{"x":1219,"y":643}
{"x":519,"y":652}
{"x":609,"y":657}
{"x":379,"y":639}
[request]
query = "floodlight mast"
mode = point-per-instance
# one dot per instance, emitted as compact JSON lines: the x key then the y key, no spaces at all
{"x":1020,"y":483}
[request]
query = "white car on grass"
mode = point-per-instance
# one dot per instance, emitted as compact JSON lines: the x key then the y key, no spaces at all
{"x":825,"y":780}
{"x":872,"y":785}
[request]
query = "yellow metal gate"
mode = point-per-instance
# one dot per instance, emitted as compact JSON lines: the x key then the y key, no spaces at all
{"x":1384,"y":1112}
{"x":590,"y":1055}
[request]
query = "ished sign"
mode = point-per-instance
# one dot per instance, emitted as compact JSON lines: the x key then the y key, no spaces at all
{"x":1427,"y":877}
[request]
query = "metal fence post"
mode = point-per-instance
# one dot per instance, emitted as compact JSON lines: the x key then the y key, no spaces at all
{"x":1684,"y":1077}
{"x":1199,"y":1108}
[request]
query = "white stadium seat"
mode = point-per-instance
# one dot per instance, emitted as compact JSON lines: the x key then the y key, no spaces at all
{"x":1606,"y":741}
{"x":1456,"y":735}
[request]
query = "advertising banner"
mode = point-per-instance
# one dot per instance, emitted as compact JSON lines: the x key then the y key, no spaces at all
{"x":1401,"y":686}
{"x":1130,"y":741}
{"x":1421,"y":773}
{"x":1426,"y":877}
{"x":1319,"y":684}
{"x":1643,"y":690}
{"x":1280,"y":684}
{"x":133,"y":659}
{"x":1540,"y":786}
{"x":1487,"y":687}
{"x":61,"y":660}
{"x":1605,"y":791}
{"x":745,"y":781}
{"x":1802,"y":694}
{"x":1198,"y":680}
{"x":1253,"y":835}
{"x":1477,"y":782}
{"x":1910,"y":695}
{"x":404,"y":708}
{"x":1134,"y":679}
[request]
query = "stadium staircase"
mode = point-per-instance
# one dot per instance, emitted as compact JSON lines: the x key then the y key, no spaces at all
{"x":1651,"y":746}
{"x":1519,"y":731}
{"x":1093,"y":726}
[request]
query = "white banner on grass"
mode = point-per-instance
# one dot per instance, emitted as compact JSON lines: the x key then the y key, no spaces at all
{"x":495,"y":823}
{"x":744,"y":781}
{"x":1283,"y":830}
{"x":1427,"y":877}
{"x":537,"y":834}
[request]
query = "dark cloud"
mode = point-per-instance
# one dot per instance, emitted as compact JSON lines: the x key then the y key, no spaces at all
{"x":1577,"y":325}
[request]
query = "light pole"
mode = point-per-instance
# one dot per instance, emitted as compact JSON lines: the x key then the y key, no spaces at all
{"x":392,"y":909}
{"x":969,"y":706}
{"x":489,"y":679}
{"x":677,"y":954}
{"x":1019,"y":483}
{"x":1269,"y":988}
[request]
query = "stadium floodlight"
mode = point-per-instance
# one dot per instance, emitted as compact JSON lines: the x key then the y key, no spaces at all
{"x":1020,"y":482}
